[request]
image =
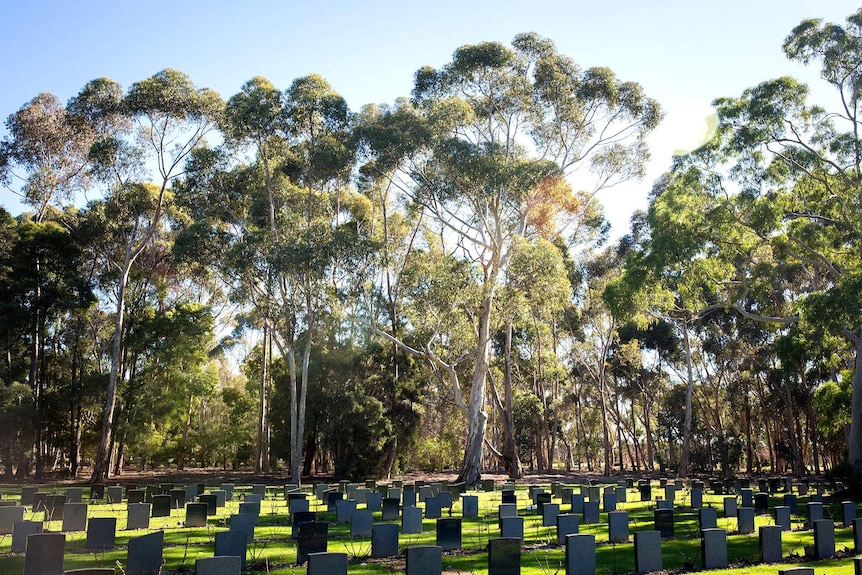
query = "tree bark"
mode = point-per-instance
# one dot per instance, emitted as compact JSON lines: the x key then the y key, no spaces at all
{"x":686,"y":435}
{"x":854,"y":443}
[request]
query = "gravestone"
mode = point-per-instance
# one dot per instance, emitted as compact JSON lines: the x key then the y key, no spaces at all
{"x":815,"y":513}
{"x":446,"y":499}
{"x":27,"y":495}
{"x":20,"y":531}
{"x":663,"y":519}
{"x":591,"y":512}
{"x":55,"y":507}
{"x":218,"y":566}
{"x":327,"y":564}
{"x":74,"y":495}
{"x":567,"y":524}
{"x":432,"y":507}
{"x":91,"y":571}
{"x":609,"y":501}
{"x":622,"y":494}
{"x":647,"y":551}
{"x":374,"y":501}
{"x":298,"y":519}
{"x":799,"y":571}
{"x":425,"y":492}
{"x":394,"y":493}
{"x":770,"y":543}
{"x":138,"y":516}
{"x":857,"y":535}
{"x":344,"y":508}
{"x":9,"y":516}
{"x":730,"y":507}
{"x":38,"y":502}
{"x":696,"y":498}
{"x":791,"y":502}
{"x":221,"y":497}
{"x":245,"y":523}
{"x":145,"y":554}
{"x":512,"y":527}
{"x":618,"y":526}
{"x":663,"y":504}
{"x":191,"y":493}
{"x":488,"y":485}
{"x":504,"y":556}
{"x":259,"y":489}
{"x":577,"y":503}
{"x":745,"y":520}
{"x":566,"y":494}
{"x":670,"y":492}
{"x":761,"y":503}
{"x":782,"y":517}
{"x":75,"y":517}
{"x":211,"y":503}
{"x":361,"y":522}
{"x":384,"y":540}
{"x":101,"y":533}
{"x":332,"y":496}
{"x":297,"y":505}
{"x":645,"y":491}
{"x":424,"y":560}
{"x":470,"y":506}
{"x":231,"y":543}
{"x":178,"y":498}
{"x":824,"y":539}
{"x":549,"y":514}
{"x":595,"y":493}
{"x":228,"y":489}
{"x":509,"y":496}
{"x":250,"y":507}
{"x":708,"y":518}
{"x":581,"y":554}
{"x":449,"y":533}
{"x":411,"y":520}
{"x":408,"y":498}
{"x":747,"y":497}
{"x":161,"y":506}
{"x":391,"y":509}
{"x":196,"y":514}
{"x":311,"y":537}
{"x":713,"y":548}
{"x":848,"y":513}
{"x":44,"y":554}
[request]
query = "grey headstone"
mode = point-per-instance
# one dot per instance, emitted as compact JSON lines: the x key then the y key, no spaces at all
{"x":508,"y":497}
{"x":541,"y":498}
{"x":848,"y":513}
{"x":618,"y":526}
{"x":196,"y":514}
{"x":770,"y":543}
{"x":446,"y":499}
{"x":391,"y":509}
{"x":178,"y":498}
{"x":424,"y":560}
{"x":411,"y":520}
{"x":670,"y":492}
{"x":591,"y":512}
{"x":210,"y":500}
{"x":549,"y":514}
{"x":161,"y":506}
{"x":20,"y":531}
{"x":374,"y":501}
{"x":449,"y":533}
{"x":577,"y":503}
{"x":27,"y":495}
{"x":857,"y":535}
{"x":713,"y":548}
{"x":344,"y":508}
{"x":791,"y":501}
{"x":504,"y":556}
{"x":512,"y":527}
{"x":425,"y":492}
{"x":761,"y":503}
{"x":645,"y":492}
{"x":664,"y":504}
{"x":228,"y":489}
{"x":384,"y":540}
{"x":231,"y":543}
{"x":327,"y":564}
{"x":101,"y":533}
{"x":747,"y":497}
{"x":663,"y":519}
{"x":708,"y":518}
{"x":44,"y":554}
{"x":75,"y":517}
{"x":361,"y":522}
{"x":259,"y":489}
{"x":298,"y":518}
{"x":145,"y":554}
{"x":815,"y":512}
{"x":230,"y":565}
{"x":311,"y":537}
{"x":250,"y":507}
{"x":9,"y":516}
{"x":745,"y":520}
{"x":245,"y":523}
{"x":782,"y":517}
{"x":433,"y":509}
{"x":622,"y":494}
{"x":55,"y":507}
{"x":647,"y":551}
{"x":488,"y":485}
{"x":408,"y":498}
{"x":470,"y":506}
{"x":191,"y":493}
{"x":298,"y":505}
{"x":91,"y":571}
{"x":221,"y":497}
{"x":138,"y":516}
{"x":38,"y":502}
{"x":696,"y":498}
{"x":74,"y":495}
{"x":824,"y":539}
{"x":797,"y":571}
{"x":609,"y":501}
{"x":730,"y":507}
{"x":581,"y":554}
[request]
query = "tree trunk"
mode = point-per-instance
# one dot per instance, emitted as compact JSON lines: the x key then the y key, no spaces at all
{"x":261,"y":448}
{"x":854,"y":443}
{"x":686,"y":435}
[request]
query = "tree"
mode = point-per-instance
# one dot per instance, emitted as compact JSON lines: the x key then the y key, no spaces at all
{"x":460,"y":150}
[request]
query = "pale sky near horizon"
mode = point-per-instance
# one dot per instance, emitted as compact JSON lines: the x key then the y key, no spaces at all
{"x":685,"y":53}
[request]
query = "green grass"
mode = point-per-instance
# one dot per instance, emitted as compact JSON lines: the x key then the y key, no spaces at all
{"x":540,"y":554}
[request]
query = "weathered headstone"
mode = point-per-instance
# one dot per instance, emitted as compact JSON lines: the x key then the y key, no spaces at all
{"x":708,"y":518}
{"x":512,"y":527}
{"x":231,"y":543}
{"x":745,"y":520}
{"x":549,"y":514}
{"x":191,"y":493}
{"x":38,"y":502}
{"x":101,"y":533}
{"x":229,"y":565}
{"x":245,"y":523}
{"x":161,"y":506}
{"x":446,"y":499}
{"x":384,"y":540}
{"x":145,"y":554}
{"x":74,"y":494}
{"x":647,"y":551}
{"x":250,"y":507}
{"x":196,"y":514}
{"x":488,"y":485}
{"x":138,"y":516}
{"x":21,"y":530}
{"x":470,"y":506}
{"x":770,"y":543}
{"x":670,"y":492}
{"x":411,"y":520}
{"x":713,"y":548}
{"x":44,"y":554}
{"x":312,"y":537}
{"x":449,"y":533}
{"x":663,"y":519}
{"x":581,"y":554}
{"x":408,"y":498}
{"x":591,"y":512}
{"x":618,"y":526}
{"x":55,"y":507}
{"x":824,"y":539}
{"x":75,"y":517}
{"x":504,"y":556}
{"x":327,"y":563}
{"x":424,"y":560}
{"x":9,"y":516}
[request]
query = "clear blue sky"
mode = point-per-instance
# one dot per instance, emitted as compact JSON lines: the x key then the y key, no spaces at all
{"x":684,"y":52}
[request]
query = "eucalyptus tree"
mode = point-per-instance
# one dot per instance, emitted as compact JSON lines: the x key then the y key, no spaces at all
{"x":170,"y":116}
{"x":480,"y":140}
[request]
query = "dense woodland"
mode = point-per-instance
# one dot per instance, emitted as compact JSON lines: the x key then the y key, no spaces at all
{"x":275,"y":281}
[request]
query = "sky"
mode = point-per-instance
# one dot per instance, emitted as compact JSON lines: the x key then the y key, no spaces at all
{"x":685,"y":53}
